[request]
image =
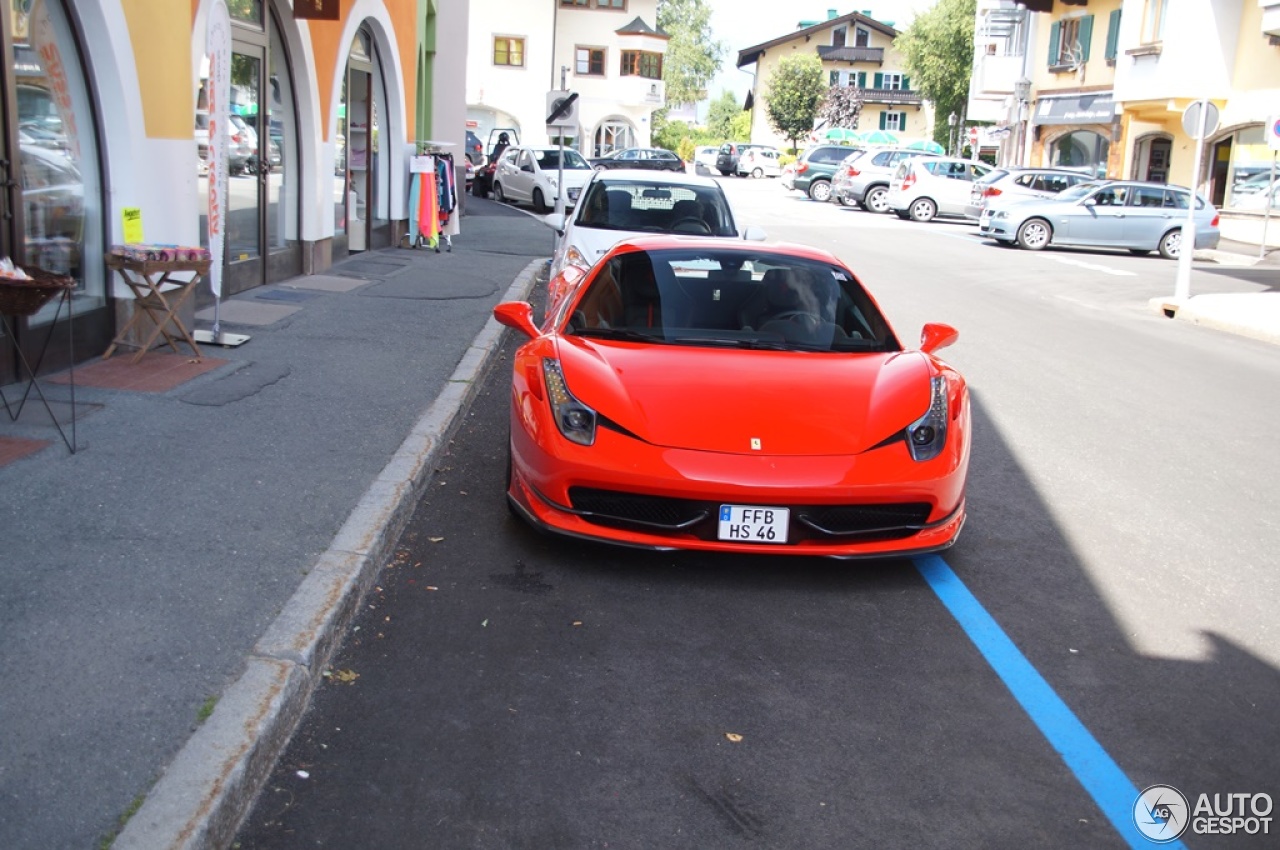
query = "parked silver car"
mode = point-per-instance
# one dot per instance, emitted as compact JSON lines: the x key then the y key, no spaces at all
{"x":863,"y":178}
{"x":1008,"y":185}
{"x":924,"y":188}
{"x":1142,"y":217}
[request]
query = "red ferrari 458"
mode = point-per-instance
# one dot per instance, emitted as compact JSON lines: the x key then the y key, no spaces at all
{"x":698,"y":393}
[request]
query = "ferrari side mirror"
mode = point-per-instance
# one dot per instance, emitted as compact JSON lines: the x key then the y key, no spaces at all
{"x":517,"y":315}
{"x":936,"y":335}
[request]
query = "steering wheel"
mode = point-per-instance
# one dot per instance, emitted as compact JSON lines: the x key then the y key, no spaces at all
{"x":801,"y":317}
{"x":691,"y":225}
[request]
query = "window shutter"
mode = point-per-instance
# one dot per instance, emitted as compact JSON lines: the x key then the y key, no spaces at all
{"x":906,"y":84}
{"x":1113,"y":35}
{"x":862,"y":79}
{"x":1086,"y":36}
{"x":879,"y":81}
{"x":1055,"y":38}
{"x":834,"y":78}
{"x":883,"y":118}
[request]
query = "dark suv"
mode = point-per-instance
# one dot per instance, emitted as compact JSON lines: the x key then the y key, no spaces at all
{"x":730,"y":153}
{"x":815,"y":167}
{"x":475,"y":150}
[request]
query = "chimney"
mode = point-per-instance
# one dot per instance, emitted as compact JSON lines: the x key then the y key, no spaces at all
{"x":832,"y":14}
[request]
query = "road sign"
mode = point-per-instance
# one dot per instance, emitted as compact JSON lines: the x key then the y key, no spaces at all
{"x":1272,"y":130}
{"x":1191,"y":119}
{"x":562,"y":110}
{"x":973,"y":137}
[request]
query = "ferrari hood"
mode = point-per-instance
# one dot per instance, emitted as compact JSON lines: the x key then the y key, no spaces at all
{"x":739,"y":401}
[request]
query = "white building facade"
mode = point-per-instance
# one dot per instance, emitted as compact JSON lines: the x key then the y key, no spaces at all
{"x":609,"y":52}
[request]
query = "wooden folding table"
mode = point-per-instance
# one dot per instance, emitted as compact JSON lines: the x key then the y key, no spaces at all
{"x":158,"y":296}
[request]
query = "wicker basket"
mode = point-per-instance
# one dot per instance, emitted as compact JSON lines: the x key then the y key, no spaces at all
{"x":25,"y":297}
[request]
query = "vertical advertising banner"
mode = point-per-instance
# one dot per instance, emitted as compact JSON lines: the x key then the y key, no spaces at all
{"x":45,"y":44}
{"x":218,"y":48}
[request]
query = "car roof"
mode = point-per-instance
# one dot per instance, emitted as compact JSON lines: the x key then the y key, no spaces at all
{"x":643,"y":175}
{"x":658,"y":242}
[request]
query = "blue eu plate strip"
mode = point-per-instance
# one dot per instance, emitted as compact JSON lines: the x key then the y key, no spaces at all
{"x":1095,"y":770}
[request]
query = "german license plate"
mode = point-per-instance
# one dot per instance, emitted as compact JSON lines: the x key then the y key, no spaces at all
{"x":753,"y":524}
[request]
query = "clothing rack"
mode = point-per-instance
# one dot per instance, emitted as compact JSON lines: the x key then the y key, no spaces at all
{"x":433,"y":197}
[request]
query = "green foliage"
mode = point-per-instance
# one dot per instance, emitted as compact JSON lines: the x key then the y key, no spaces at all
{"x":693,"y":58}
{"x":740,"y":127}
{"x":795,"y":93}
{"x":686,"y":149}
{"x":721,"y":113}
{"x":667,"y":134}
{"x":937,"y":50}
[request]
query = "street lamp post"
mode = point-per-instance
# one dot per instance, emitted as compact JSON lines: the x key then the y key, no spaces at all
{"x":951,"y":136}
{"x":1022,"y":94}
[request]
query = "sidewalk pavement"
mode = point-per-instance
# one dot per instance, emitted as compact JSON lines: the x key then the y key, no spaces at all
{"x":1254,"y":311}
{"x":172,"y":592}
{"x":204,"y":547}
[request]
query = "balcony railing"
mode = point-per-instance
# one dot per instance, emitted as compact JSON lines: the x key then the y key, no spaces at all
{"x":852,"y":54}
{"x":903,"y":97}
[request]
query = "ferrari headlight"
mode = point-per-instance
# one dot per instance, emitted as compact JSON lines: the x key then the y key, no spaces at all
{"x":928,"y":434}
{"x":574,"y":419}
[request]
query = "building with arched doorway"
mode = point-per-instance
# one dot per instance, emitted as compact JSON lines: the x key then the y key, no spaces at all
{"x":609,"y":52}
{"x":106,"y":109}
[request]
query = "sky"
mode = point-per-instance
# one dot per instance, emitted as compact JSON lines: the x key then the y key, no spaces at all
{"x":744,"y":23}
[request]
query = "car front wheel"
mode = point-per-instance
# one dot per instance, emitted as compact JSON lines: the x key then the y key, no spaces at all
{"x":923,"y":209}
{"x":1171,"y":244}
{"x":877,"y":199}
{"x":1034,"y":234}
{"x":820,"y":190}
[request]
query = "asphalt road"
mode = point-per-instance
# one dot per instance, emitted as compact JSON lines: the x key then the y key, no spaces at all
{"x":1107,"y":622}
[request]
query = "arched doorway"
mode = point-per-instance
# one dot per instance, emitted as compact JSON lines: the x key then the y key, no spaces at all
{"x":1081,"y":149}
{"x":51,"y":185}
{"x":612,"y":135}
{"x":362,"y":208}
{"x":263,"y":185}
{"x":1151,"y":158}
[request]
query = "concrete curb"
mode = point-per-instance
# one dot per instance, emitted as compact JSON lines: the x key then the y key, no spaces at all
{"x":208,"y":788}
{"x":1255,"y":315}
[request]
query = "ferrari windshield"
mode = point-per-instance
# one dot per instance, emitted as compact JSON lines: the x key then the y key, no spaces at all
{"x":736,"y":297}
{"x":656,"y":207}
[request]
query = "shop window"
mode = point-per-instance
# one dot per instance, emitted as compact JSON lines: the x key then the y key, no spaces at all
{"x":1083,"y":150}
{"x":508,"y":51}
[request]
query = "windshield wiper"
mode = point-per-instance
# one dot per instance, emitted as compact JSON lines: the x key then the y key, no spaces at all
{"x":729,"y":342}
{"x":617,"y":333}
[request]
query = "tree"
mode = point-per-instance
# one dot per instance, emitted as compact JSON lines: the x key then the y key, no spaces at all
{"x":721,"y":114}
{"x":937,"y":50}
{"x":693,"y":58}
{"x":842,"y":106}
{"x":795,"y":93}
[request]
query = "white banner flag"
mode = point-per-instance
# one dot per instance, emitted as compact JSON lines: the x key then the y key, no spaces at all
{"x":218,"y":92}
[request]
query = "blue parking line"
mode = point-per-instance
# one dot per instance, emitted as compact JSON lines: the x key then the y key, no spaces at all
{"x":1095,"y":770}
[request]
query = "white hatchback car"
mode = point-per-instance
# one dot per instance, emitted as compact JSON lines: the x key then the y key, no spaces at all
{"x":529,"y":175}
{"x":759,"y":162}
{"x":924,"y":188}
{"x":620,"y":204}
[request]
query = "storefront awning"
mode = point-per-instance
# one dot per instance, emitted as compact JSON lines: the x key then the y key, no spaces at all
{"x":1082,"y":109}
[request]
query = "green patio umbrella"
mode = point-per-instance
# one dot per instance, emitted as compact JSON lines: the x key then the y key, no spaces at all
{"x":926,"y":145}
{"x":878,"y":137}
{"x":840,"y":135}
